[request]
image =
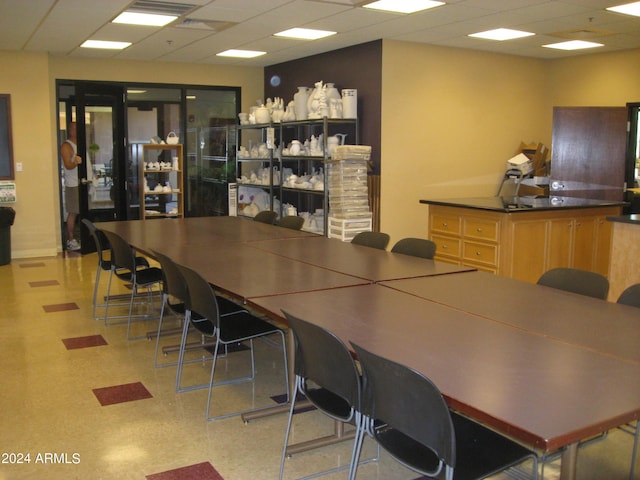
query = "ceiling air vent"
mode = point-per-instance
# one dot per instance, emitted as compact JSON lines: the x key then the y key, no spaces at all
{"x":582,"y":34}
{"x":161,"y":8}
{"x":211,"y":25}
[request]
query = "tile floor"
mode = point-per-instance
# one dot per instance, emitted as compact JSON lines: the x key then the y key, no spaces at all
{"x":83,"y":402}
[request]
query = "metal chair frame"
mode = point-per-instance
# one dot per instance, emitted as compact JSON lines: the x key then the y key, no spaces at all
{"x":203,"y":313}
{"x":123,"y":266}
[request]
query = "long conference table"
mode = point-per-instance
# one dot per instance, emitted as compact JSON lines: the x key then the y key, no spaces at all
{"x":545,"y":367}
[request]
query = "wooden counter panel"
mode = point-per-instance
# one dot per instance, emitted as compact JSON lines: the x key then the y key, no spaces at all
{"x":524,"y":244}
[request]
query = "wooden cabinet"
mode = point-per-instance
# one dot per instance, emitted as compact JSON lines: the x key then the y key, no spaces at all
{"x":523,"y":245}
{"x":161,"y":194}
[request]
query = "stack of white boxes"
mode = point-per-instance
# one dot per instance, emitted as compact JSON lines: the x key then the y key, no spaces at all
{"x":349,"y":212}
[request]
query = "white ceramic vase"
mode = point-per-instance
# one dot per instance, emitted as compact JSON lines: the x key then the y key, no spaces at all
{"x":300,"y":99}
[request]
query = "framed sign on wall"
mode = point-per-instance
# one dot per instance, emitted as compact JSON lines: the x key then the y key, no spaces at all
{"x":6,"y":146}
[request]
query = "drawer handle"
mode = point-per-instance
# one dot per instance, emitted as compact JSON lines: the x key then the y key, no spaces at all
{"x":445,"y":225}
{"x":479,"y":230}
{"x":444,"y":247}
{"x":478,"y":254}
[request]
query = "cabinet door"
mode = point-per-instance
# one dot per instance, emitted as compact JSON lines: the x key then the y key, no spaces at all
{"x":584,"y":243}
{"x":528,"y":249}
{"x":560,"y":241}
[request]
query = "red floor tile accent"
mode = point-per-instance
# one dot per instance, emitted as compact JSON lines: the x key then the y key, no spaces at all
{"x":121,"y":393}
{"x":44,"y":283}
{"x":200,"y":471}
{"x":84,"y":342}
{"x":60,"y":307}
{"x":31,"y":265}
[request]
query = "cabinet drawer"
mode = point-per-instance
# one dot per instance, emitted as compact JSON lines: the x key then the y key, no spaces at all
{"x":447,"y":246}
{"x":481,"y":229}
{"x":480,"y":253}
{"x":445,"y":224}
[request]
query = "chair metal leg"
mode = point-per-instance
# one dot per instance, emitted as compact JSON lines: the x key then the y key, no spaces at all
{"x":634,"y":454}
{"x":250,"y":378}
{"x":95,"y":291}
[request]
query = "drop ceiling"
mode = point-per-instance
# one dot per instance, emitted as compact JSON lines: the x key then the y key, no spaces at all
{"x":211,"y":26}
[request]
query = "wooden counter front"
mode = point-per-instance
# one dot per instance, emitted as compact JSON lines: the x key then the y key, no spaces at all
{"x":523,"y":243}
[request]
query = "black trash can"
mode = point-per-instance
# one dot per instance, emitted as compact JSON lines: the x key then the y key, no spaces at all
{"x":7,"y":215}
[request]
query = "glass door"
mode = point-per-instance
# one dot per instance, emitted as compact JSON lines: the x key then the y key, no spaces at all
{"x":101,"y":141}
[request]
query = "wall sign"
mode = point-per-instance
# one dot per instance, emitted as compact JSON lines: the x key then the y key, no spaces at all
{"x":6,"y":146}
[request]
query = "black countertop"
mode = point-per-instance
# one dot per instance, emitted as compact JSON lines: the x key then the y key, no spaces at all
{"x":633,"y":219}
{"x":522,"y":204}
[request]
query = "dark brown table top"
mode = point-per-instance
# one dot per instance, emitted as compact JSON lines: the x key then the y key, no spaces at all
{"x":546,"y":392}
{"x":589,"y":322}
{"x":363,"y":262}
{"x":197,"y":231}
{"x":243,"y":271}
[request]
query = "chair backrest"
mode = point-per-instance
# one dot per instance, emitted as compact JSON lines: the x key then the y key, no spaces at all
{"x":377,"y":240}
{"x":291,"y":221}
{"x":574,"y":280}
{"x":122,"y":254}
{"x":201,"y":301}
{"x":324,"y":359}
{"x":99,"y":238}
{"x":408,"y":402}
{"x":631,"y":296}
{"x":173,"y":282}
{"x":416,"y":247}
{"x":266,"y":216}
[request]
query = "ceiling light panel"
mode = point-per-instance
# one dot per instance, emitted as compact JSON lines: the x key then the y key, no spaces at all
{"x":573,"y":45}
{"x":241,"y":53}
{"x":304,"y":33}
{"x":144,"y":19}
{"x":501,"y":34}
{"x":627,"y":9}
{"x":403,"y":6}
{"x":105,"y":45}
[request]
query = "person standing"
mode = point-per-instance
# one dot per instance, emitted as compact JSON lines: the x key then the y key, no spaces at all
{"x":71,"y":160}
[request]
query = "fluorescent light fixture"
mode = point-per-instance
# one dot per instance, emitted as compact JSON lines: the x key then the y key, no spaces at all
{"x":627,"y":9}
{"x":304,"y":33}
{"x":104,"y":44}
{"x":135,"y":91}
{"x":501,"y":34}
{"x":573,"y":45}
{"x":191,"y":97}
{"x":146,"y":19}
{"x":403,"y":6}
{"x":240,"y":53}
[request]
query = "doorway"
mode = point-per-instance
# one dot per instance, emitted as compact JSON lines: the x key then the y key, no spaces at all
{"x":632,"y":175}
{"x":98,"y":112}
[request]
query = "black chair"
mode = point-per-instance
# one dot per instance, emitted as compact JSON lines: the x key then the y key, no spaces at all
{"x":578,"y":281}
{"x":123,"y":266}
{"x":377,"y":240}
{"x":291,"y":221}
{"x":266,"y":216}
{"x":406,"y":414}
{"x":102,"y":247}
{"x":416,"y":247}
{"x":174,"y":294}
{"x":631,"y":296}
{"x":326,"y":373}
{"x":203,"y":313}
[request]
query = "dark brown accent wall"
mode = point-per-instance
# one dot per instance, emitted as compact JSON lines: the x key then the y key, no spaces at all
{"x":357,"y":67}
